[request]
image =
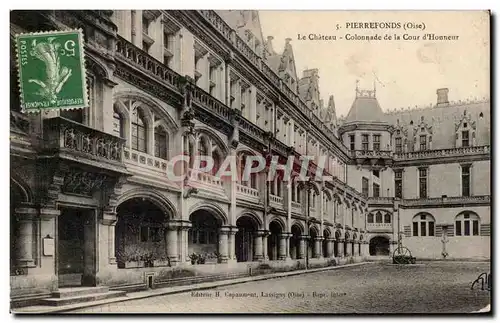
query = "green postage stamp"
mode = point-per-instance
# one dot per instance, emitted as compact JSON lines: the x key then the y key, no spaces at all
{"x":51,"y":70}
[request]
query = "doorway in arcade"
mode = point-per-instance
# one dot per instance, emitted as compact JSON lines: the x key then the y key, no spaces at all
{"x":76,"y":247}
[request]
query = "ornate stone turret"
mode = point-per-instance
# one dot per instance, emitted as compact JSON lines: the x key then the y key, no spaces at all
{"x":366,"y":132}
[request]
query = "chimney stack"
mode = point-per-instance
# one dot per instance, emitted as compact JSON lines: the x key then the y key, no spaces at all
{"x":442,"y":96}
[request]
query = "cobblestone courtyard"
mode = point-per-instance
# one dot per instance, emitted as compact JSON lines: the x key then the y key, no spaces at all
{"x":429,"y":287}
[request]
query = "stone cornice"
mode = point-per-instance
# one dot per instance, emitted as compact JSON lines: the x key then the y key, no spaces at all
{"x":442,"y":156}
{"x":434,"y":202}
{"x":365,"y":126}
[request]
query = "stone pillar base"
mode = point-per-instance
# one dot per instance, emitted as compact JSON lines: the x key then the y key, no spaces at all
{"x":231,"y":261}
{"x":26,"y":263}
{"x":224,"y":260}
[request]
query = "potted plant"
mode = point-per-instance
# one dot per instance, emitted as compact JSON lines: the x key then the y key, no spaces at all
{"x":194,"y":258}
{"x":218,"y":255}
{"x":201,"y":259}
{"x":161,"y":261}
{"x":130,"y":257}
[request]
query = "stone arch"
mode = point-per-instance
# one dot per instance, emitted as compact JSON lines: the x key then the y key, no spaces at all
{"x":379,"y":245}
{"x":338,"y":235}
{"x":467,"y":223}
{"x":298,"y":224}
{"x":280,"y":221}
{"x":252,"y":215}
{"x":152,"y":106}
{"x":337,"y":198}
{"x":313,"y":228}
{"x":328,"y":194}
{"x":214,"y":137}
{"x":275,"y":248}
{"x":316,"y":188}
{"x":328,"y":232}
{"x":216,"y":210}
{"x":22,"y":187}
{"x":156,"y":198}
{"x":347,"y":236}
{"x":97,"y":67}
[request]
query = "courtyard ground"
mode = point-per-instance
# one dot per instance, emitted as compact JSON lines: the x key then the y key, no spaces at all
{"x":428,"y":287}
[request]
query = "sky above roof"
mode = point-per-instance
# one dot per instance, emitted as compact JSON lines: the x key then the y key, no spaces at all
{"x":407,"y":73}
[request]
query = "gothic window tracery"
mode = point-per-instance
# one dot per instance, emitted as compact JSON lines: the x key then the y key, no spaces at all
{"x":422,"y":136}
{"x":465,"y":131}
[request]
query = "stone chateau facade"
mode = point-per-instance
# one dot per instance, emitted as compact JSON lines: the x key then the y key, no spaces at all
{"x":91,"y":205}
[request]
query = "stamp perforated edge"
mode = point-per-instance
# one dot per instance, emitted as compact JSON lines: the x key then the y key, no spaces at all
{"x":84,"y":71}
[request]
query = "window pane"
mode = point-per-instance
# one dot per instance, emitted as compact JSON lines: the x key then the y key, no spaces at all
{"x":475,"y":227}
{"x":378,"y":218}
{"x":423,"y":188}
{"x":431,"y":229}
{"x":415,"y":228}
{"x":458,"y":228}
{"x":376,"y":190}
{"x":161,"y":145}
{"x":387,"y":218}
{"x":422,"y":229}
{"x":399,"y":188}
{"x":370,"y":218}
{"x":466,"y":228}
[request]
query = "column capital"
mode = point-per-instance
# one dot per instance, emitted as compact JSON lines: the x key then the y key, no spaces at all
{"x":341,"y":240}
{"x":225,"y":230}
{"x":109,"y":218}
{"x":25,"y":213}
{"x":47,"y":213}
{"x":262,"y":233}
{"x":178,"y":224}
{"x":285,"y":235}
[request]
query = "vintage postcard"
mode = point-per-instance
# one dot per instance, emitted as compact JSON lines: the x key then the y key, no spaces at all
{"x":246,"y":161}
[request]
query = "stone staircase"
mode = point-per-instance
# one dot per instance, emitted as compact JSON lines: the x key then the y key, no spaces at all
{"x":76,"y":295}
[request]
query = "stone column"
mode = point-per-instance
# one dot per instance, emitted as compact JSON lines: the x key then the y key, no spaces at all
{"x":257,"y":246}
{"x":24,"y":239}
{"x":302,"y":247}
{"x":184,"y":242}
{"x":171,"y":234}
{"x":224,"y":244}
{"x":265,"y":254}
{"x":329,"y":248}
{"x":287,"y":245}
{"x":317,"y":248}
{"x":348,"y":248}
{"x":109,"y":220}
{"x":282,"y":250}
{"x":232,"y":244}
{"x":340,"y":248}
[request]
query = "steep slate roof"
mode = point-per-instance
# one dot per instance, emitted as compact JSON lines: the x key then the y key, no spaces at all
{"x":243,"y":20}
{"x":444,"y":119}
{"x":365,"y":108}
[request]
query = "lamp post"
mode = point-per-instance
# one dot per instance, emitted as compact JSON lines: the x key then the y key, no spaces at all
{"x":396,"y":208}
{"x":308,"y":191}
